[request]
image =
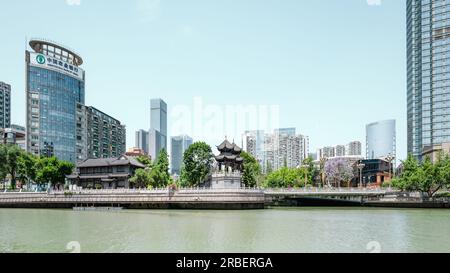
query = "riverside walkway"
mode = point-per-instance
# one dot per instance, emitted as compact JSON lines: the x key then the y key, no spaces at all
{"x":195,"y":198}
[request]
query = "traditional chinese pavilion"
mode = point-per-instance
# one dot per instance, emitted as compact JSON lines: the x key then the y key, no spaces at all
{"x":229,"y":167}
{"x":230,"y":157}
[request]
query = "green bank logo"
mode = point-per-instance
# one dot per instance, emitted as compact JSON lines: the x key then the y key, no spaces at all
{"x":40,"y":59}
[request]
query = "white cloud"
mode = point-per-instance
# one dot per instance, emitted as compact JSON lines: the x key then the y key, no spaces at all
{"x":373,"y":2}
{"x":149,"y":10}
{"x":73,"y":2}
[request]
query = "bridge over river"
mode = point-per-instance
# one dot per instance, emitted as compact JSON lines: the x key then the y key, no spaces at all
{"x":192,"y":198}
{"x":324,"y":196}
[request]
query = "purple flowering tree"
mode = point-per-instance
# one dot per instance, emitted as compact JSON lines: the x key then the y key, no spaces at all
{"x":338,"y":170}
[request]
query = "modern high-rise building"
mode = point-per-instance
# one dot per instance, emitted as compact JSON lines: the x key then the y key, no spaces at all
{"x":339,"y":150}
{"x":179,"y":144}
{"x":354,"y":148}
{"x":14,"y":135}
{"x":326,"y":152}
{"x":253,"y":143}
{"x":54,"y":86}
{"x":351,"y":149}
{"x":142,"y":141}
{"x":428,"y":74}
{"x":381,"y":139}
{"x":5,"y":105}
{"x":98,"y":134}
{"x":282,"y":148}
{"x":158,"y":127}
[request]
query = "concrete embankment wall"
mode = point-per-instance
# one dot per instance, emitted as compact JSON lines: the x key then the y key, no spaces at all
{"x":137,"y":200}
{"x":406,"y":204}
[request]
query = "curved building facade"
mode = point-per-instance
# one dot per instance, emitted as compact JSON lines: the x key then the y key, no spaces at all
{"x":55,"y":84}
{"x":381,"y":139}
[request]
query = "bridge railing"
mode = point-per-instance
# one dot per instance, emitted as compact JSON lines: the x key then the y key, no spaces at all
{"x":156,"y":191}
{"x":328,"y":190}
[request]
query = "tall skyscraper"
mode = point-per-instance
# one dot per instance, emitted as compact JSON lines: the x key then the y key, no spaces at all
{"x":179,"y":145}
{"x":5,"y":105}
{"x":98,"y":134}
{"x":381,"y":139}
{"x":54,"y":86}
{"x":158,"y":127}
{"x":142,"y":140}
{"x":428,"y":74}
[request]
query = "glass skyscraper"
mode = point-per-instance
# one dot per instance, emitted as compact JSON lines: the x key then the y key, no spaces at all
{"x":158,"y":127}
{"x":179,"y":145}
{"x":54,"y":87}
{"x":141,"y":140}
{"x":428,"y":74}
{"x":381,"y":139}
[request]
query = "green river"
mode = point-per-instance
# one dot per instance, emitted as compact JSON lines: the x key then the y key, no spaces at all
{"x":295,"y":230}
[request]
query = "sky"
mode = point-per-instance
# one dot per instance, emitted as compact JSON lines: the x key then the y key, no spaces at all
{"x":325,"y":67}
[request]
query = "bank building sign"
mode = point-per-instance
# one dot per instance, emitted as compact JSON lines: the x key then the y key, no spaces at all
{"x":48,"y":62}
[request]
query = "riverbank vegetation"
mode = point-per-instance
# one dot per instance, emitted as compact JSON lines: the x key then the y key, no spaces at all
{"x":426,"y":177}
{"x":25,"y":168}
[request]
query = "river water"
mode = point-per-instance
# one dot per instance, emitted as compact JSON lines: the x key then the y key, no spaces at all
{"x":273,"y":230}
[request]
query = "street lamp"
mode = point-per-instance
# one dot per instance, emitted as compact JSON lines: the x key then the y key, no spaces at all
{"x":390,"y":158}
{"x":360,"y":167}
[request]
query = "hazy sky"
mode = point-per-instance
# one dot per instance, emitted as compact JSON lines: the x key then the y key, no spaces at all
{"x":331,"y":66}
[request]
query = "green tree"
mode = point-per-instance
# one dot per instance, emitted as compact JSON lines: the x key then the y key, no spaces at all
{"x":408,"y":178}
{"x":269,"y":168}
{"x":11,"y":163}
{"x":284,"y":178}
{"x":141,"y":178}
{"x":427,"y":177}
{"x":159,"y":176}
{"x":26,"y":171}
{"x":251,"y":170}
{"x":53,"y":171}
{"x":3,"y":169}
{"x":145,"y":160}
{"x":197,"y":161}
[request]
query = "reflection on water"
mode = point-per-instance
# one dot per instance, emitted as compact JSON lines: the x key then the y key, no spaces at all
{"x":274,"y":230}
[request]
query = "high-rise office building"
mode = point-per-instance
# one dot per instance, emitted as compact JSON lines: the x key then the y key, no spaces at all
{"x":381,"y":139}
{"x":158,"y":127}
{"x":428,"y":74}
{"x":354,"y":148}
{"x":142,"y":141}
{"x":98,"y":134}
{"x":5,"y":105}
{"x":54,"y":86}
{"x":179,"y":144}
